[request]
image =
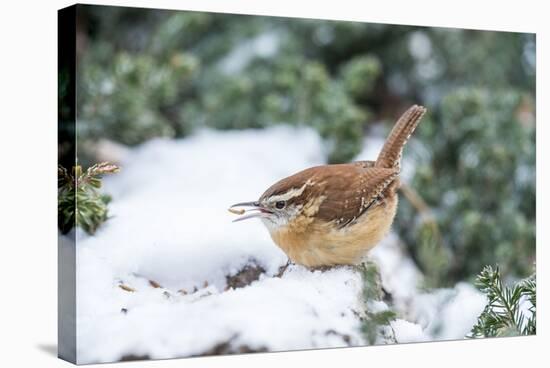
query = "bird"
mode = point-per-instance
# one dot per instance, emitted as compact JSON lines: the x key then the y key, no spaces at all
{"x":335,"y":214}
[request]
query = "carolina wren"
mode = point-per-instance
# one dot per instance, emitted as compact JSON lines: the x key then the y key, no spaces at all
{"x":334,"y":214}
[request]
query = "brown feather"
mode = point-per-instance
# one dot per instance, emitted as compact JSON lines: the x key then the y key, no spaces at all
{"x":348,"y":190}
{"x":364,"y":164}
{"x":390,"y":155}
{"x":353,"y":193}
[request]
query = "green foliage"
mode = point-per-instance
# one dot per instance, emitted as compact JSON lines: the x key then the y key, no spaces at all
{"x":430,"y":252}
{"x":360,"y":74}
{"x":294,"y":91}
{"x":374,"y":324}
{"x":132,"y":98}
{"x":503,"y":315}
{"x":479,"y":181}
{"x":79,"y":201}
{"x":184,"y":76}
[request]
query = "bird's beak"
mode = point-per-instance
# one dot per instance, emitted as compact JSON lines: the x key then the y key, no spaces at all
{"x":257,"y":210}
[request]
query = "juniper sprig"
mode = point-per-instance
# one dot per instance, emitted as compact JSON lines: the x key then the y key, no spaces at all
{"x":79,"y":201}
{"x":503,"y":315}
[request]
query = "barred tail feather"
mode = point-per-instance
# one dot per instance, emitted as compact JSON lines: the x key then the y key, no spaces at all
{"x":390,"y":155}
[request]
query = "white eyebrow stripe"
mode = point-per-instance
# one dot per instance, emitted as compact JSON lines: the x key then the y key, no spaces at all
{"x":294,"y":192}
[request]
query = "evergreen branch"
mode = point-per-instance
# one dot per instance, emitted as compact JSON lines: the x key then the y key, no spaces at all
{"x":93,"y":174}
{"x":63,"y":177}
{"x":502,"y":315}
{"x":79,"y":202}
{"x":374,"y":323}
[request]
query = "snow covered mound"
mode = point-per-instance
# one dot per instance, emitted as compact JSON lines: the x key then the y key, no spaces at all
{"x":169,"y":275}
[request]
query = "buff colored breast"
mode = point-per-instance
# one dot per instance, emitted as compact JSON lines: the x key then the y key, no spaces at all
{"x":315,"y":243}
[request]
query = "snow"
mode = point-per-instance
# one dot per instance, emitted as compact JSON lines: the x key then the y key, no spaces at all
{"x":448,"y":314}
{"x":399,"y":275}
{"x":406,"y":331}
{"x":169,"y":224}
{"x":271,"y":313}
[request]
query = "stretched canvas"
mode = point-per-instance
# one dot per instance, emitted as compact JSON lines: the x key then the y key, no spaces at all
{"x":235,"y":184}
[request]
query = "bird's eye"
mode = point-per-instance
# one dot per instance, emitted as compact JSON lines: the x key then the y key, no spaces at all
{"x":280,"y":204}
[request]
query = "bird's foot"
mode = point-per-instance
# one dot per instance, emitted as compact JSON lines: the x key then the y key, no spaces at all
{"x":283,"y":269}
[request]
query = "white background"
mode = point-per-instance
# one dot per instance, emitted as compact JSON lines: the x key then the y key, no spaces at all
{"x":28,"y":154}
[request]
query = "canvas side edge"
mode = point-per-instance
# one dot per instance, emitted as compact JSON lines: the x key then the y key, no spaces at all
{"x":66,"y":128}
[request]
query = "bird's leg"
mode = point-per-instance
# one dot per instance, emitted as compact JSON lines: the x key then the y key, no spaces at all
{"x":282,"y":269}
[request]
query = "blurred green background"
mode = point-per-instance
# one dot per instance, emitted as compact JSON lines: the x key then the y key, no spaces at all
{"x":146,"y":73}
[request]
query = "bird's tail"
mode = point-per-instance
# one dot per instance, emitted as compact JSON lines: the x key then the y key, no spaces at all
{"x":390,"y":155}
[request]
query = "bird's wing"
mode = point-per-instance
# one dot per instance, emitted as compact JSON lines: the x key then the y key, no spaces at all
{"x":353,"y":191}
{"x":364,"y":164}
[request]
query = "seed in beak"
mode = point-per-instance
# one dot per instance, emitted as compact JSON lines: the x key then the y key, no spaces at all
{"x":237,"y":211}
{"x":257,"y":209}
